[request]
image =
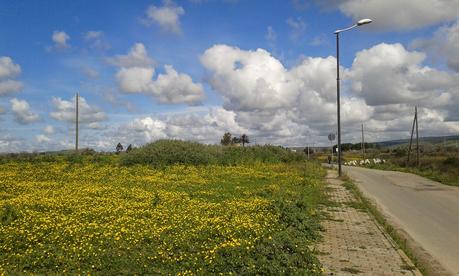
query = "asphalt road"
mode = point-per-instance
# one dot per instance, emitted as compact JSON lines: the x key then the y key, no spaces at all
{"x":426,"y":210}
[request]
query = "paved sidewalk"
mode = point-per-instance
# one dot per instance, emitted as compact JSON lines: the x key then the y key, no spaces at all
{"x":354,"y":243}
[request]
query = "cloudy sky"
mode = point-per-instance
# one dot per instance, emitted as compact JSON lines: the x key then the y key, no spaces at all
{"x":194,"y":69}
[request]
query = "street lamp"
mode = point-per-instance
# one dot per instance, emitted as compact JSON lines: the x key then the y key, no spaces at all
{"x":359,"y":23}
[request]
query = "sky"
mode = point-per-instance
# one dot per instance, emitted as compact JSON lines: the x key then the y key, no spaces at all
{"x":195,"y":69}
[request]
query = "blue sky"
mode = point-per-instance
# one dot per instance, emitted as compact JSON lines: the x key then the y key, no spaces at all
{"x":63,"y":47}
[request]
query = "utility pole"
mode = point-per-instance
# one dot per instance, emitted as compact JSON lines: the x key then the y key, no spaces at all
{"x":415,"y":121}
{"x":363,"y":144}
{"x":76,"y":122}
{"x":417,"y":135}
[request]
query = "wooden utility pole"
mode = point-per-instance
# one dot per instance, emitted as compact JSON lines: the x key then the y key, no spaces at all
{"x":417,"y":135}
{"x":415,"y":121}
{"x":76,"y":122}
{"x":363,"y":144}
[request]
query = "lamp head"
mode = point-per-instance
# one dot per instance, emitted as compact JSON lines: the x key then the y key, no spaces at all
{"x":364,"y":21}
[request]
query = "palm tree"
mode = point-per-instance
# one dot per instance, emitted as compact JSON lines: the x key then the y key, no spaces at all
{"x":244,"y":139}
{"x":119,"y":148}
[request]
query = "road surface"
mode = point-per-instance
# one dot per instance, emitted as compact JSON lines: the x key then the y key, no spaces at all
{"x":425,"y":210}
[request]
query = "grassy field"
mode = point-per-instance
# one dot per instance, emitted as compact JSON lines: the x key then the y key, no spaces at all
{"x":88,"y":215}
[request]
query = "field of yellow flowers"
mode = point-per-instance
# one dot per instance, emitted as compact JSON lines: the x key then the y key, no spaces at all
{"x":102,"y":218}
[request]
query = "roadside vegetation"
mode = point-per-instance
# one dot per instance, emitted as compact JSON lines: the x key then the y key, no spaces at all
{"x":439,"y":162}
{"x":439,"y":168}
{"x":167,"y":208}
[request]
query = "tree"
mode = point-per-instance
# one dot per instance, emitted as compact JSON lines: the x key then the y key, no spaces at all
{"x":244,"y":139}
{"x":129,"y":148}
{"x":226,"y":140}
{"x":235,"y":140}
{"x":119,"y":148}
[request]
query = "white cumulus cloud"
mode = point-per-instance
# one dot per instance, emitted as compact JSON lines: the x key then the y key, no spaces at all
{"x":289,"y":105}
{"x":8,"y":71}
{"x":49,"y":129}
{"x":137,"y":57}
{"x":41,"y":138}
{"x":396,"y":15}
{"x":22,"y":113}
{"x":60,"y":40}
{"x":65,"y":111}
{"x":443,"y":44}
{"x":96,"y":40}
{"x":166,"y":16}
{"x":136,"y":75}
{"x":389,"y":74}
{"x":202,"y":125}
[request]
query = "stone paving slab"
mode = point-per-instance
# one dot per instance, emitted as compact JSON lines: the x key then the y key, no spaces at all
{"x":354,"y":243}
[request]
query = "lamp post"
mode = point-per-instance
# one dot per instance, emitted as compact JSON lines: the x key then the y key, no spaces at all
{"x":337,"y":32}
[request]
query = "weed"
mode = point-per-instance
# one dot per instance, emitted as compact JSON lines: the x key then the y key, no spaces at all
{"x":357,"y":204}
{"x":407,"y":267}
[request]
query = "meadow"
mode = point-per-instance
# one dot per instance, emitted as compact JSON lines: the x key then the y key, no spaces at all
{"x":94,"y":215}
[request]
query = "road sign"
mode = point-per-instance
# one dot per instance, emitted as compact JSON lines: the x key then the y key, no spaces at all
{"x":331,"y":136}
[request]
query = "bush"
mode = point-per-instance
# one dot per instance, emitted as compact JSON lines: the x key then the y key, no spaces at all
{"x":167,"y":152}
{"x":451,"y":162}
{"x":74,"y":158}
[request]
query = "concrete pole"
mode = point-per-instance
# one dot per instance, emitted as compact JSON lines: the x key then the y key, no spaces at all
{"x":338,"y":104}
{"x":417,"y":135}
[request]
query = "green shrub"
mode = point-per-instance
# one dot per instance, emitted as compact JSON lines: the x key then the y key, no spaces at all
{"x":167,"y":152}
{"x":451,"y":162}
{"x":74,"y":158}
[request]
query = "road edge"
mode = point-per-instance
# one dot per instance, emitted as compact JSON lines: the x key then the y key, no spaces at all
{"x":414,"y":252}
{"x":387,"y":229}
